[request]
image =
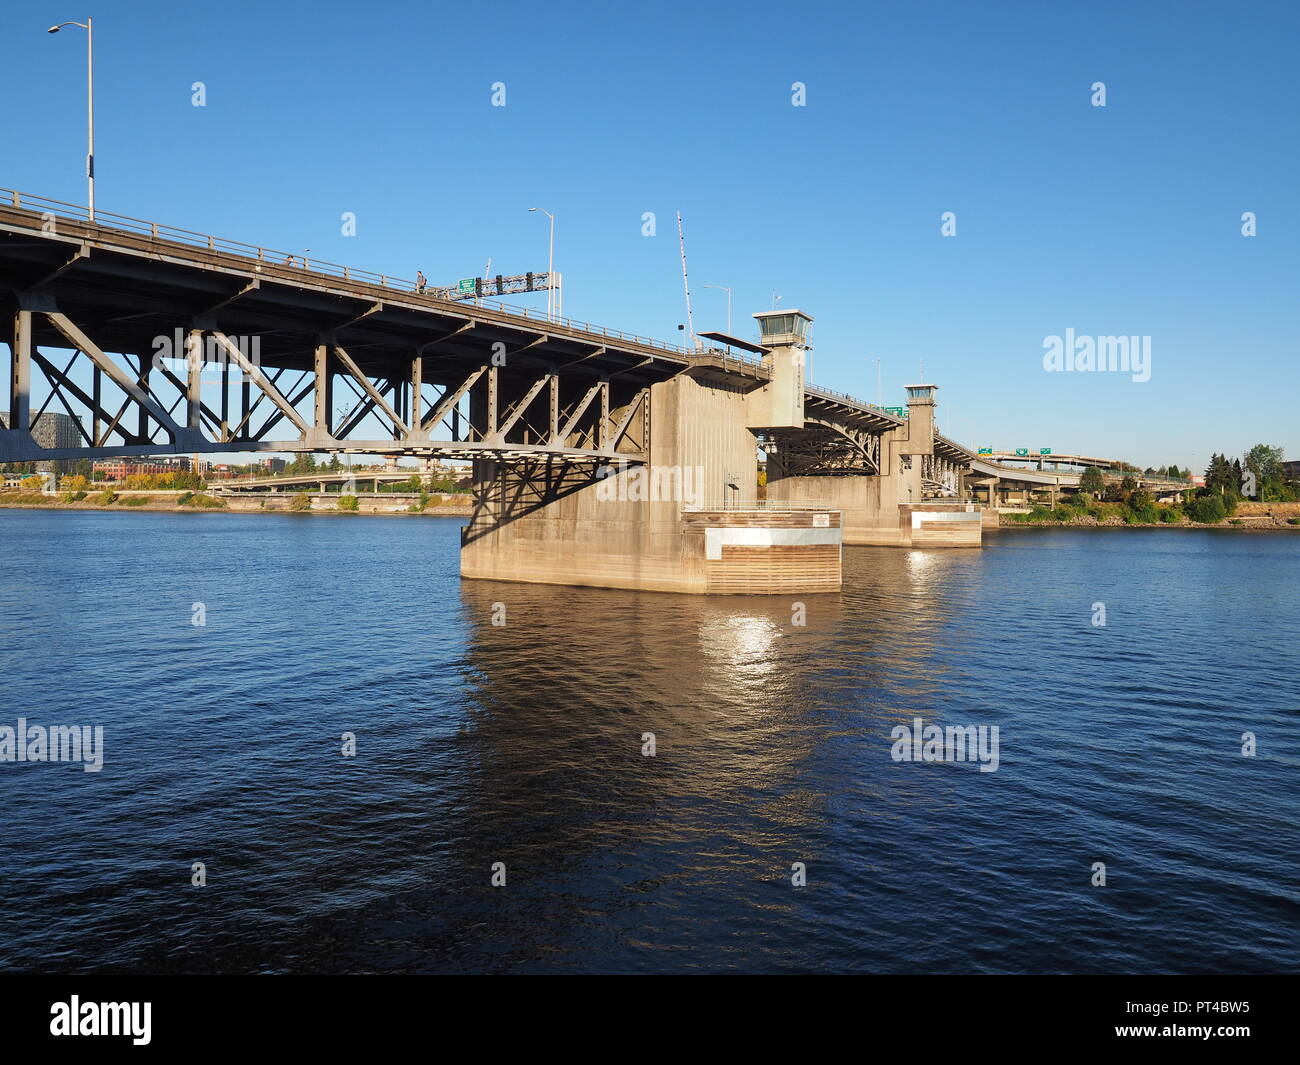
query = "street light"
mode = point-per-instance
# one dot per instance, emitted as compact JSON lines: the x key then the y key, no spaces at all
{"x":880,"y":395}
{"x":728,"y":292}
{"x":550,"y":267}
{"x":90,"y":105}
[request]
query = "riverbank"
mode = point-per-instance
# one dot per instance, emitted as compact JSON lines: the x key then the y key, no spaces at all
{"x":1246,"y":515}
{"x":278,"y":503}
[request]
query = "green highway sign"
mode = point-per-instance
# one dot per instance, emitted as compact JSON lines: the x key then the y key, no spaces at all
{"x":986,"y":451}
{"x":1044,"y":450}
{"x":1022,"y":451}
{"x":465,"y":284}
{"x":899,"y":412}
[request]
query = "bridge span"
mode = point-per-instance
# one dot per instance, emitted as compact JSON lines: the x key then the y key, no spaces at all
{"x":599,"y":457}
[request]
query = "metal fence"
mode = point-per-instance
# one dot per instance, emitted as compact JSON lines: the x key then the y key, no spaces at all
{"x":758,"y":504}
{"x":47,"y":209}
{"x":281,"y":262}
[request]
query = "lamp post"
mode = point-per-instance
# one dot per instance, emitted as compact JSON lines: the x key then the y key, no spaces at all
{"x":88,"y":26}
{"x":550,"y":268}
{"x":728,"y":292}
{"x":880,"y":394}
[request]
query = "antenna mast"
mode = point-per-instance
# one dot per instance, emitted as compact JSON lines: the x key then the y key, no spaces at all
{"x":686,"y":285}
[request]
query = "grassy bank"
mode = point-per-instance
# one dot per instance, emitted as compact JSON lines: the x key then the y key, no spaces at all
{"x":199,"y":502}
{"x":1204,"y":513}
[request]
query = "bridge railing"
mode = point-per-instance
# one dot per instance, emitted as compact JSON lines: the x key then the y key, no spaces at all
{"x":960,"y":500}
{"x":155,"y":231}
{"x":726,"y":356}
{"x":697,"y":506}
{"x":282,"y":262}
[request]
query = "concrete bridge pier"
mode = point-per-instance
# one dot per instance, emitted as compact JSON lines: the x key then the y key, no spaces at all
{"x":670,"y":508}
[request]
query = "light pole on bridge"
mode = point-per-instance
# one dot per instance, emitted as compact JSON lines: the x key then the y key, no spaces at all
{"x":880,"y":393}
{"x":728,"y":292}
{"x":550,"y":267}
{"x":88,"y":26}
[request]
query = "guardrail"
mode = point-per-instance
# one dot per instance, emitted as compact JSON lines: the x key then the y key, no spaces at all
{"x":155,"y":231}
{"x":46,"y":208}
{"x":725,"y":356}
{"x":757,"y":504}
{"x":831,"y":393}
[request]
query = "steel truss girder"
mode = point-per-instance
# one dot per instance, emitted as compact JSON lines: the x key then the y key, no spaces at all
{"x":940,"y":475}
{"x":825,"y":448}
{"x":593,"y":427}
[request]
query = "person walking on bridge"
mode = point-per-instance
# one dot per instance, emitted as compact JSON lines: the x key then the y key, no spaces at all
{"x":420,"y":282}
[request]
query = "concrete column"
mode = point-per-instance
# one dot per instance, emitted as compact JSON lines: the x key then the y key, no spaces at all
{"x":324,"y":407}
{"x":20,"y":378}
{"x":194,"y":376}
{"x":417,"y":401}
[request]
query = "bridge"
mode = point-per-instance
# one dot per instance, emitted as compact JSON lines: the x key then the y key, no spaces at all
{"x":1041,"y":460}
{"x":994,"y":478}
{"x":599,"y":457}
{"x":319,"y":479}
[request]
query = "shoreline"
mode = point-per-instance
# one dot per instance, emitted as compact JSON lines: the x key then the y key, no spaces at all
{"x":1224,"y":526}
{"x":154,"y":505}
{"x":171,"y":507}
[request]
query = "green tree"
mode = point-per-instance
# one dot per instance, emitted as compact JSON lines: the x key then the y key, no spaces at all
{"x":1208,"y":508}
{"x":1092,"y":481}
{"x":1265,"y":463}
{"x":1218,"y":474}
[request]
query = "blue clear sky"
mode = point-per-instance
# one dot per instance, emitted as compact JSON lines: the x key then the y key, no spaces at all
{"x":1115,"y":220}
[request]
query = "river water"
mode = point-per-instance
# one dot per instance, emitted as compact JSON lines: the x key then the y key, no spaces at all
{"x":522,"y":743}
